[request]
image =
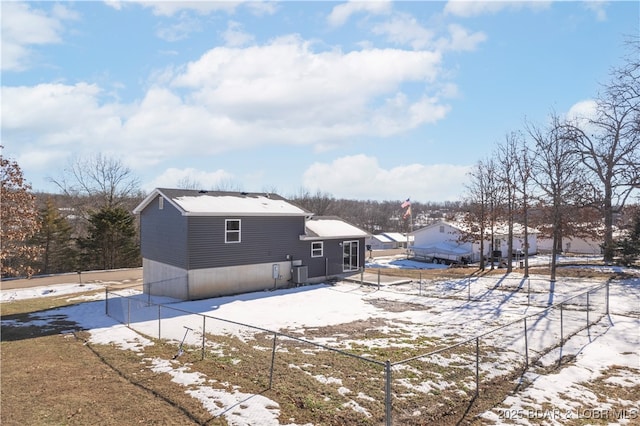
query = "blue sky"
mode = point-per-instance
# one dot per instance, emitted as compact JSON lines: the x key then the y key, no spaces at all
{"x":363,"y":100}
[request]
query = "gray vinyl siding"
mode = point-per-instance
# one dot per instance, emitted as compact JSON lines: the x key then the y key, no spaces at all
{"x":263,"y":239}
{"x":163,"y":234}
{"x":330,"y":264}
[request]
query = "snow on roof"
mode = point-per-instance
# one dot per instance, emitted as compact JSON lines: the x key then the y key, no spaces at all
{"x":214,"y":203}
{"x":396,"y":236}
{"x":332,"y":227}
{"x":499,"y":229}
{"x":228,"y":204}
{"x":382,"y":238}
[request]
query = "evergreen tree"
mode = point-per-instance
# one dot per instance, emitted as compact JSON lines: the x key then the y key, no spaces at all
{"x":55,"y":239}
{"x":629,"y":246}
{"x":111,"y":242}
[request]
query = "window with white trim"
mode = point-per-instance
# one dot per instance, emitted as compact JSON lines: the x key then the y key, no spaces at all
{"x":317,"y":248}
{"x":232,"y":230}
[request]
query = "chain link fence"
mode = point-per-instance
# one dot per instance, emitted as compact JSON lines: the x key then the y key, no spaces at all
{"x":449,"y":381}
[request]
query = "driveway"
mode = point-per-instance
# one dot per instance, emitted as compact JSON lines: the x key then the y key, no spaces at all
{"x":119,"y":275}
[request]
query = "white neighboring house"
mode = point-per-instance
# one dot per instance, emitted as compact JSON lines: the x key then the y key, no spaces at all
{"x":400,"y":240}
{"x":575,"y":245}
{"x":439,"y":242}
{"x":388,"y":241}
{"x":380,"y":242}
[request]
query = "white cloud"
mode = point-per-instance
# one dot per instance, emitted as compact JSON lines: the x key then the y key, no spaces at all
{"x":598,"y":7}
{"x":24,"y":27}
{"x":361,"y":177}
{"x":404,"y":29}
{"x":289,"y":86}
{"x":282,"y":93}
{"x":58,"y":114}
{"x":581,"y":113}
{"x":582,"y":110}
{"x":179,"y":29}
{"x":461,"y":40}
{"x":170,"y":8}
{"x":235,"y":36}
{"x":340,"y":14}
{"x":466,"y":8}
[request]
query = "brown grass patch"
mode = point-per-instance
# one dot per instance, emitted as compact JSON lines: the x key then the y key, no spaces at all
{"x":54,"y":378}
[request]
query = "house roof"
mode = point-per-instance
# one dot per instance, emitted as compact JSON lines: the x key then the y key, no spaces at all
{"x":396,"y":236}
{"x":500,"y":229}
{"x":382,"y":238}
{"x":319,"y":227}
{"x":217,"y":203}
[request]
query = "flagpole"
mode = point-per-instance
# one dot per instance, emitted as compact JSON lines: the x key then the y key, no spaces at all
{"x":410,"y":228}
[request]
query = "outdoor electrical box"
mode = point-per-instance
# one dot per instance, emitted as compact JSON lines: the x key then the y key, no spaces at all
{"x":275,"y":271}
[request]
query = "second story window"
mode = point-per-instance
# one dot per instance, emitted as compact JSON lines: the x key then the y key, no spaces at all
{"x":232,"y":231}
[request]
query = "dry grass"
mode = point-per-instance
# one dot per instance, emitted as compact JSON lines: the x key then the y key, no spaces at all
{"x":50,"y":376}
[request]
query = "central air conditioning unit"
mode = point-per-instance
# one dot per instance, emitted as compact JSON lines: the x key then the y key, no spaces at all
{"x":300,"y":274}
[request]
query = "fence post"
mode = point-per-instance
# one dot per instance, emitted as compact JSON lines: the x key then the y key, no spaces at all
{"x":159,"y":322}
{"x":477,"y":366}
{"x":378,"y":278}
{"x":469,"y":289}
{"x":607,"y":299}
{"x":128,"y":312}
{"x":528,"y":291}
{"x":561,"y":331}
{"x":273,"y":359}
{"x":526,"y":346}
{"x":588,"y":325}
{"x":387,"y":392}
{"x":204,"y":329}
{"x":106,"y":301}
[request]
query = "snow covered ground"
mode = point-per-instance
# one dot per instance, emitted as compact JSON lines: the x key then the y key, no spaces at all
{"x":606,"y":354}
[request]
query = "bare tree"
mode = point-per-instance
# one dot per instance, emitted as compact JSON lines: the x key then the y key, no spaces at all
{"x":507,"y":158}
{"x":319,"y":203}
{"x":610,"y":144}
{"x":102,"y":181}
{"x":495,"y":198}
{"x":188,"y":183}
{"x":558,"y":174}
{"x":477,"y":215}
{"x":524,"y":169}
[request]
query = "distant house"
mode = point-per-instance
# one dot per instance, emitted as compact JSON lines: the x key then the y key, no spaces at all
{"x":200,"y":244}
{"x":574,"y":245}
{"x":380,"y":242}
{"x":388,"y":241}
{"x":441,"y":242}
{"x":400,"y":240}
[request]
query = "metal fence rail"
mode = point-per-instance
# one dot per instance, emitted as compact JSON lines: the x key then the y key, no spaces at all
{"x":424,"y":386}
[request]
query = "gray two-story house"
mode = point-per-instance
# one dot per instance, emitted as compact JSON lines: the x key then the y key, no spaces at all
{"x":200,"y":244}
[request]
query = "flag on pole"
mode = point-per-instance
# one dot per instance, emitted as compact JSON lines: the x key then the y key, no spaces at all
{"x":407,"y":203}
{"x":408,"y":212}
